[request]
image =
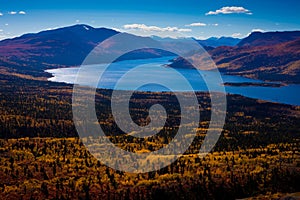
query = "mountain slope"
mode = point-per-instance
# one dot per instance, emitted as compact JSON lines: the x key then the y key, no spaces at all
{"x":274,"y":61}
{"x":66,"y":46}
{"x":269,"y":38}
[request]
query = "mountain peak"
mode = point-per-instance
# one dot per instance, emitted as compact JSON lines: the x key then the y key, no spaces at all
{"x":66,"y":45}
{"x":80,"y":26}
{"x":70,"y":45}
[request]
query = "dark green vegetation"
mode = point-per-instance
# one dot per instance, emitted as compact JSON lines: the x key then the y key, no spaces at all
{"x":258,"y":152}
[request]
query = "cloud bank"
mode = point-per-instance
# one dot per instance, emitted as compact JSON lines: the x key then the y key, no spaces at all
{"x":235,"y":35}
{"x":146,"y":28}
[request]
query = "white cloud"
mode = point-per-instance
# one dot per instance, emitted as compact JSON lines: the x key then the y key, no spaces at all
{"x":236,"y":35}
{"x":196,"y":24}
{"x":200,"y":24}
{"x":146,"y":28}
{"x":1,"y":30}
{"x":230,"y":10}
{"x":1,"y":14}
{"x":22,"y":12}
{"x":6,"y":24}
{"x":12,"y":12}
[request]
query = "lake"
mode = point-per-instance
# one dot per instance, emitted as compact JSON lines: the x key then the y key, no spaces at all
{"x":154,"y":70}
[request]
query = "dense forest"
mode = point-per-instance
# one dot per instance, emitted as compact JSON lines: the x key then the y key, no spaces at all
{"x":42,"y":156}
{"x":48,"y":168}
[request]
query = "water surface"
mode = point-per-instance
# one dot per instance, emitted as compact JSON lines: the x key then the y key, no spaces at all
{"x":154,"y":70}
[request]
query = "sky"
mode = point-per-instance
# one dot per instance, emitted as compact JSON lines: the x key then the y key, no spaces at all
{"x":166,"y":18}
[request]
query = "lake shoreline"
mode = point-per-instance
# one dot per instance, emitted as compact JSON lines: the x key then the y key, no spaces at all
{"x":276,"y":92}
{"x":249,"y":84}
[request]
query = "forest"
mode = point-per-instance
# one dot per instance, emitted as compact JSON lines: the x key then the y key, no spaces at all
{"x":42,"y":156}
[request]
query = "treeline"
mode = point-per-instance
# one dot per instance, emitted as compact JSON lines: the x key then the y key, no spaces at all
{"x":63,"y":169}
{"x":257,"y":153}
{"x":43,"y":109}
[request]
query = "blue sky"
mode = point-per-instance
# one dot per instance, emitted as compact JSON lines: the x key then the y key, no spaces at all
{"x":175,"y":18}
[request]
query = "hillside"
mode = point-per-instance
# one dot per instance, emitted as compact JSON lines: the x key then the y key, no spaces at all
{"x":269,"y":38}
{"x":277,"y":60}
{"x":66,"y":46}
{"x":272,"y":56}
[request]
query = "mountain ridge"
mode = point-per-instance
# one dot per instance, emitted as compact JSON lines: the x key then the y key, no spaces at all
{"x":209,"y":42}
{"x":66,"y":46}
{"x":276,"y":60}
{"x":268,"y":38}
{"x":221,"y":41}
{"x":273,"y":56}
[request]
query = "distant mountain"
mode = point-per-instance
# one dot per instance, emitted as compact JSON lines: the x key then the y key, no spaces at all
{"x":269,"y":38}
{"x":271,"y":56}
{"x":277,"y":60}
{"x":67,"y":46}
{"x":210,"y":42}
{"x":222,"y":41}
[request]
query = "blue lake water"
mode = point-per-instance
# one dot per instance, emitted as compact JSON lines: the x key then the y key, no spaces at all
{"x":132,"y":72}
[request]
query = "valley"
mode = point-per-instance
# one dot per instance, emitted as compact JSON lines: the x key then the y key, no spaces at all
{"x":43,"y":157}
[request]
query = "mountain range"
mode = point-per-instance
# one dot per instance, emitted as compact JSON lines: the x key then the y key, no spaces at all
{"x":221,"y":41}
{"x":210,"y":42}
{"x":272,"y":56}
